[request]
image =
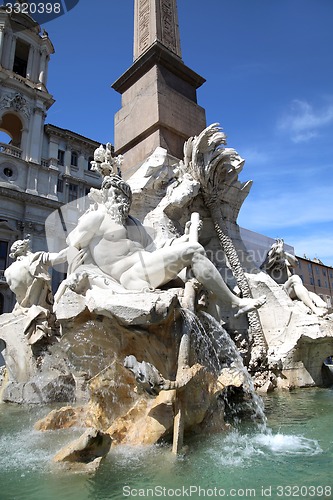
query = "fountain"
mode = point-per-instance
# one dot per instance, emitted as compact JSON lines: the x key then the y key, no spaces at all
{"x":147,"y":340}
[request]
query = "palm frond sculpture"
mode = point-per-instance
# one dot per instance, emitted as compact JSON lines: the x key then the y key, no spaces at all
{"x":216,"y":167}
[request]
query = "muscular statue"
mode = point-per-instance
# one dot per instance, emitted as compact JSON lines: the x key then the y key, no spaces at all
{"x":280,"y":265}
{"x":109,"y":244}
{"x":30,"y":281}
{"x":28,"y":276}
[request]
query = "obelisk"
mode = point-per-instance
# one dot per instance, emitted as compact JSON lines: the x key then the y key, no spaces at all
{"x":159,"y":98}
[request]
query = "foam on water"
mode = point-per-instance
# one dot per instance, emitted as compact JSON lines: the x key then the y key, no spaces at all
{"x":23,"y":450}
{"x":288,"y":444}
{"x":238,"y":449}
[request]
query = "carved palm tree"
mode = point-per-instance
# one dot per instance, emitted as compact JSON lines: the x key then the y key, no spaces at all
{"x":216,"y":167}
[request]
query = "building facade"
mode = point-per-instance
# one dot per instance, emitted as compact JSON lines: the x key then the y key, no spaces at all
{"x":315,"y":275}
{"x":317,"y":278}
{"x":42,"y":166}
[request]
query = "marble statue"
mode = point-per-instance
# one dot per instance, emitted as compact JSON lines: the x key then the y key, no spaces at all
{"x":29,"y":280}
{"x":280,"y":265}
{"x":110,"y":245}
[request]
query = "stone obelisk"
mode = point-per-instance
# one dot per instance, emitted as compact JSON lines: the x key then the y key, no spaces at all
{"x":159,"y":98}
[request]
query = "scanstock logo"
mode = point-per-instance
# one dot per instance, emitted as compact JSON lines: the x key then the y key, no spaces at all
{"x":41,"y":11}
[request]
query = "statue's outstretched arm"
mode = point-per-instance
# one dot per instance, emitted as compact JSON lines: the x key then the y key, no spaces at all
{"x":58,"y":258}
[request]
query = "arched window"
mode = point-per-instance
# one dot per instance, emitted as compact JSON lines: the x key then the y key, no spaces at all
{"x":11,"y":126}
{"x":74,"y":158}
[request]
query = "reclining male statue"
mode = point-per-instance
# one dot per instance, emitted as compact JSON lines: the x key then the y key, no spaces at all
{"x":110,"y":244}
{"x":280,"y":265}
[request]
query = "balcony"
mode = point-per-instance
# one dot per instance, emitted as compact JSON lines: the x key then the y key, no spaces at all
{"x":7,"y":149}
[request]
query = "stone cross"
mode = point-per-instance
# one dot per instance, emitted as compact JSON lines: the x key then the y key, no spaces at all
{"x":156,"y":21}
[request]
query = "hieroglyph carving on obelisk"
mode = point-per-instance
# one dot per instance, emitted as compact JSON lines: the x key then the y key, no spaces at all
{"x":156,"y":20}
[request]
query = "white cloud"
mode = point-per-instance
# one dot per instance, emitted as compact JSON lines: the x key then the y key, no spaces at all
{"x":303,"y":121}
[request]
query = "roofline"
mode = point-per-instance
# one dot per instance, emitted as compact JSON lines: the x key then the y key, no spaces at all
{"x":64,"y":131}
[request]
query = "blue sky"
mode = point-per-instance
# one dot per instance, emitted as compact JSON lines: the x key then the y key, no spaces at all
{"x":268,"y":66}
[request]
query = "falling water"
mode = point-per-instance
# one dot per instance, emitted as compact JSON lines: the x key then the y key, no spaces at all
{"x":216,"y":350}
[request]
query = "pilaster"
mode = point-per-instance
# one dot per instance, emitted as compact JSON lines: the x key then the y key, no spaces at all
{"x":12,"y":53}
{"x":42,"y":67}
{"x":32,"y":180}
{"x":36,"y":134}
{"x":2,"y":41}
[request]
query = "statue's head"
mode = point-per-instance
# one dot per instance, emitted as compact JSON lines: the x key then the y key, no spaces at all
{"x":20,"y":247}
{"x":118,"y":196}
{"x":118,"y":183}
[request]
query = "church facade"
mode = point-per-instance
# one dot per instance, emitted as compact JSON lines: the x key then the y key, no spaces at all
{"x":42,"y":166}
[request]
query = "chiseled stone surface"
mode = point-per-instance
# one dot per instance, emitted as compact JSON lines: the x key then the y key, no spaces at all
{"x":149,"y":421}
{"x":298,"y":341}
{"x":62,"y":418}
{"x":88,"y":449}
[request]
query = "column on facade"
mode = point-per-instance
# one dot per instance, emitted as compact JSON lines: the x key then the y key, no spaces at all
{"x":81,"y":163}
{"x":24,"y":143}
{"x":42,"y":67}
{"x":32,"y":180}
{"x":36,"y":136}
{"x":7,"y":43}
{"x":35,"y":64}
{"x":12,"y":53}
{"x":2,"y":42}
{"x":53,"y":181}
{"x":30,"y":62}
{"x":46,"y":69}
{"x":53,"y":152}
{"x":68,"y":156}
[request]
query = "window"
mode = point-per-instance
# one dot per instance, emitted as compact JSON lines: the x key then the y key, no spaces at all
{"x":60,"y":186}
{"x":21,"y":58}
{"x":311,"y":281}
{"x":309,"y":267}
{"x":317,"y":270}
{"x":74,"y":158}
{"x":319,"y":283}
{"x":90,"y":159}
{"x":61,"y":157}
{"x":324,"y":272}
{"x":73,"y":190}
{"x":3,"y":255}
{"x":8,"y":172}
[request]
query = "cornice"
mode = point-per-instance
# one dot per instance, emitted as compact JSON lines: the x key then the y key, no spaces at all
{"x":70,"y":135}
{"x":28,"y":197}
{"x":157,"y":54}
